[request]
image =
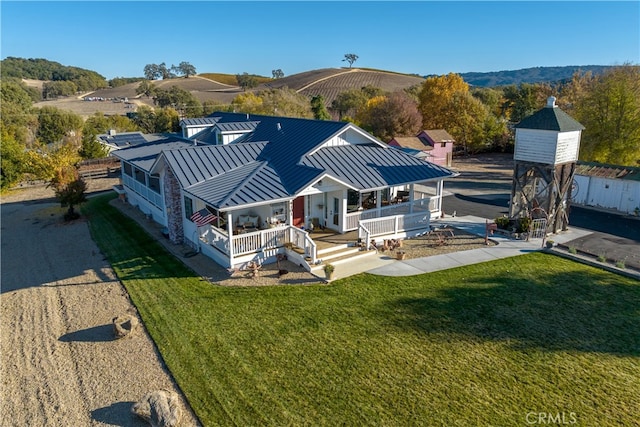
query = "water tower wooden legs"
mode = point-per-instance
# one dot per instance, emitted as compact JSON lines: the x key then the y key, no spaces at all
{"x":540,"y":191}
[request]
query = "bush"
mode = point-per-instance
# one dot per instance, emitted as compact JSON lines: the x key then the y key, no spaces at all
{"x":523,"y":225}
{"x":502,"y":222}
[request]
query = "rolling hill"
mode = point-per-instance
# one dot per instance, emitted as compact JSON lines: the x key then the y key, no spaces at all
{"x":328,"y":82}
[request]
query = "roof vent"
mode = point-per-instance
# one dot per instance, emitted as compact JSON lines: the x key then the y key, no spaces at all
{"x":278,"y":126}
{"x":112,"y":132}
{"x":247,"y":116}
{"x":551,"y":102}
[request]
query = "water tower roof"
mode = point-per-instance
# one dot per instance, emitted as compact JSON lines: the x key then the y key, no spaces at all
{"x":550,"y":118}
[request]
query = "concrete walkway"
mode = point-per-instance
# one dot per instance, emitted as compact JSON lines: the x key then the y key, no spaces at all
{"x":384,"y":265}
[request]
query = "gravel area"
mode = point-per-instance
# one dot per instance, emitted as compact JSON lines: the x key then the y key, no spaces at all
{"x":59,"y":362}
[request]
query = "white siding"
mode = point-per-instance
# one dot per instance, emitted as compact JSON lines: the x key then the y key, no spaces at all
{"x":548,"y":147}
{"x":535,"y":146}
{"x":567,"y":147}
{"x":350,"y":136}
{"x":622,"y":195}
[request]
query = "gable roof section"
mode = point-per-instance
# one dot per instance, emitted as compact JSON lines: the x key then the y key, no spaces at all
{"x":438,"y":135}
{"x":237,"y":126}
{"x":197,"y":164}
{"x":368,"y":166}
{"x":413,"y":142}
{"x":251,"y":183}
{"x":143,"y":156}
{"x":199,"y":121}
{"x":550,"y":118}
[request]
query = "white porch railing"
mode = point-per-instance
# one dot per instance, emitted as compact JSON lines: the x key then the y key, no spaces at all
{"x":301,"y":239}
{"x":428,"y":204}
{"x":368,"y":229}
{"x":216,"y":238}
{"x":261,"y":240}
{"x":144,"y":191}
{"x":257,"y":241}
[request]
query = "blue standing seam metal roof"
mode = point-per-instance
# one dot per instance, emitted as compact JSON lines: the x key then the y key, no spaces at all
{"x":368,"y":166}
{"x":124,"y":140}
{"x":199,"y":121}
{"x":237,"y":126}
{"x":143,"y":156}
{"x":197,"y":164}
{"x":282,"y":157}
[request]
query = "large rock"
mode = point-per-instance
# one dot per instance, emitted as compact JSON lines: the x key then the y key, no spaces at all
{"x":124,"y":325}
{"x":159,"y":408}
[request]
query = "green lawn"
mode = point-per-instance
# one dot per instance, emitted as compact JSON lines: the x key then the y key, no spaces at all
{"x":481,"y":345}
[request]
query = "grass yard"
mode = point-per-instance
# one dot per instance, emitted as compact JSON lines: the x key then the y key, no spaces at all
{"x":487,"y":344}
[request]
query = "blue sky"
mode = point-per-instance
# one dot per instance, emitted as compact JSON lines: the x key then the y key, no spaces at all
{"x":118,"y":38}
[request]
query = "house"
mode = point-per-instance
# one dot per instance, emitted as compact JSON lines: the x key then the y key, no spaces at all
{"x":115,"y":141}
{"x":246,"y":187}
{"x":434,"y":145}
{"x":607,"y":186}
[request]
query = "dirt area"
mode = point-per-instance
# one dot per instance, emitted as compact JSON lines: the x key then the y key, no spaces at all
{"x":59,"y":362}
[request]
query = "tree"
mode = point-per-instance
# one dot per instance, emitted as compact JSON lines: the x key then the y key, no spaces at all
{"x":152,"y":72}
{"x":350,"y":58}
{"x":520,"y":101}
{"x":185,"y":69}
{"x":12,"y":159}
{"x":180,"y":99}
{"x":393,"y":115}
{"x":165,"y":72}
{"x":348,"y":103}
{"x":610,"y":112}
{"x":58,"y":88}
{"x":91,"y":147}
{"x":54,"y":124}
{"x":246,"y":81}
{"x":70,"y":189}
{"x":319,"y":109}
{"x":435,"y":99}
{"x":277,"y":74}
{"x":146,"y":88}
{"x":277,"y":102}
{"x":160,"y":121}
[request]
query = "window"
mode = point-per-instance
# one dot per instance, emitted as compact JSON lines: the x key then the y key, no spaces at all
{"x":154,"y":183}
{"x":219,"y":137}
{"x":127,"y":169}
{"x":139,"y":176}
{"x":188,"y":207}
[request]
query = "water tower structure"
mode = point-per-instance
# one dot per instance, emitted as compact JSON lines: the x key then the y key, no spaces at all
{"x":545,"y":155}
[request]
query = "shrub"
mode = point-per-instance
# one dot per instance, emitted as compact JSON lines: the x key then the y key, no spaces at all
{"x":523,"y":225}
{"x":502,"y":222}
{"x":621,"y":263}
{"x":602,"y":258}
{"x":572,"y":250}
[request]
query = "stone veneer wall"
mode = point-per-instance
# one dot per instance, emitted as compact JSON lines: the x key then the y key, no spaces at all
{"x":173,"y":202}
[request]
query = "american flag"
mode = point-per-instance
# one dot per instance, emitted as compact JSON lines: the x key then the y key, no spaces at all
{"x":203,"y":217}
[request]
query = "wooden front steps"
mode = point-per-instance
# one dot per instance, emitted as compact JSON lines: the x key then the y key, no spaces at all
{"x":336,"y":254}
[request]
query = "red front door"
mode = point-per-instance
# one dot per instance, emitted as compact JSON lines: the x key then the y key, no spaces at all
{"x":298,"y":212}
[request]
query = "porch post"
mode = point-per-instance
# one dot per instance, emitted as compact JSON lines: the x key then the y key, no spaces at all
{"x":230,"y":234}
{"x":411,"y":187}
{"x":439,"y":190}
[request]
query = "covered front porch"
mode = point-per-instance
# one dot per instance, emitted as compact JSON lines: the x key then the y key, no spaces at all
{"x":260,"y":233}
